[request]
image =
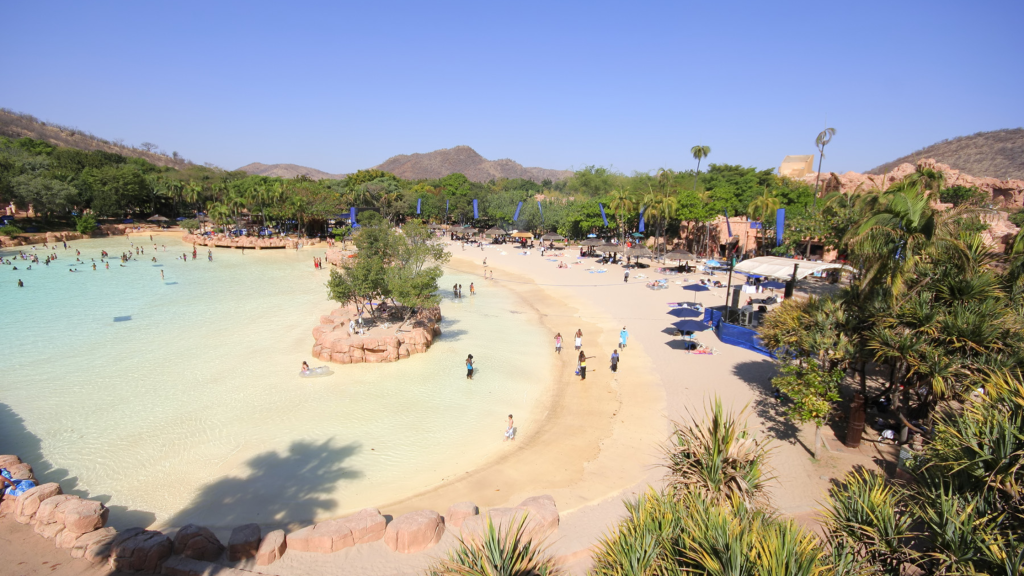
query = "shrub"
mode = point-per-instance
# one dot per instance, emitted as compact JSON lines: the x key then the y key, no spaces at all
{"x":10,"y":230}
{"x":85,"y":224}
{"x":191,"y":225}
{"x":501,"y":550}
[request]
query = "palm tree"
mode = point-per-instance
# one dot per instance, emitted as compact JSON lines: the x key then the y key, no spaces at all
{"x":622,"y":204}
{"x":699,"y":153}
{"x":929,"y":179}
{"x":764,"y":205}
{"x":220,"y":213}
{"x":824,"y":137}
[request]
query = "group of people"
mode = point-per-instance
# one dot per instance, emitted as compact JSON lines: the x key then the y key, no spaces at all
{"x":318,"y":263}
{"x":457,"y":290}
{"x":581,"y":361}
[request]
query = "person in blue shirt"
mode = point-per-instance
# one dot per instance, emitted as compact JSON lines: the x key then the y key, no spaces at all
{"x":622,"y":337}
{"x":469,"y":367}
{"x":615,"y":360}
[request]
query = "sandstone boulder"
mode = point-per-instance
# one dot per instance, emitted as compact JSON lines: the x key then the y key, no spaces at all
{"x":539,"y":517}
{"x":543,"y":515}
{"x":21,"y":471}
{"x":50,"y":531}
{"x":47,"y":512}
{"x":181,"y":566}
{"x":92,"y":540}
{"x":84,"y":516}
{"x":414,"y":532}
{"x":66,"y":539}
{"x":198,"y":543}
{"x":271,"y":549}
{"x":26,"y":505}
{"x":457,"y":513}
{"x":142,"y":551}
{"x":244,"y":542}
{"x":7,"y":460}
{"x":62,"y":508}
{"x":326,"y":537}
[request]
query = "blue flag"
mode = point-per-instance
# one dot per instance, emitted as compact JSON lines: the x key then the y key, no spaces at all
{"x":419,"y":202}
{"x":541,"y":210}
{"x":352,"y":216}
{"x":780,"y":225}
{"x":603,"y":217}
{"x":476,"y":211}
{"x":728,"y":227}
{"x":642,"y":218}
{"x":446,"y":202}
{"x":518,"y":208}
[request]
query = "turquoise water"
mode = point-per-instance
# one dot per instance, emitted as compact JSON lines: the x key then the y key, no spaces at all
{"x":178,"y":400}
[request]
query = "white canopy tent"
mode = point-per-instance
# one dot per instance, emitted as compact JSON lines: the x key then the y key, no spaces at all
{"x":782,"y":268}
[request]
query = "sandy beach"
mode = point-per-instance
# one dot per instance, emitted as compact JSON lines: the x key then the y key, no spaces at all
{"x":593,"y":443}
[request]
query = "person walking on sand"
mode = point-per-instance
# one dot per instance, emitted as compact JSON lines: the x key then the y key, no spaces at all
{"x":583,"y":366}
{"x":558,"y":343}
{"x":626,"y":277}
{"x":510,"y":429}
{"x":623,"y":335}
{"x":579,"y":339}
{"x":469,"y":367}
{"x":615,"y":360}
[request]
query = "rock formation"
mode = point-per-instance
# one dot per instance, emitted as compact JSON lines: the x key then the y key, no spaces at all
{"x":1006,"y":193}
{"x":379,"y":344}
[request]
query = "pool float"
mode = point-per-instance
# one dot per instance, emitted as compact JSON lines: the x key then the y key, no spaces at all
{"x":315,"y":372}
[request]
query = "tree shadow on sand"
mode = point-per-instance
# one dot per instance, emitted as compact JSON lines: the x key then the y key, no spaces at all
{"x":16,"y":438}
{"x":758,"y":375}
{"x":281,"y":490}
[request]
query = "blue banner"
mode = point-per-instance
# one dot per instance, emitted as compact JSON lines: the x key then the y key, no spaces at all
{"x":446,"y":202}
{"x":603,"y":217}
{"x":541,"y":210}
{"x":642,"y":218}
{"x":728,"y":227}
{"x":476,"y":211}
{"x":518,"y":208}
{"x":780,"y":225}
{"x":352,"y":216}
{"x":755,"y":226}
{"x":419,"y":203}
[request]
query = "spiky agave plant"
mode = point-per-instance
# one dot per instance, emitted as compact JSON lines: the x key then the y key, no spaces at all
{"x":871,"y":513}
{"x":717,"y":457}
{"x":503,"y":550}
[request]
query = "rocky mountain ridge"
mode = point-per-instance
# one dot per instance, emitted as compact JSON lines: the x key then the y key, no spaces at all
{"x":463,"y":159}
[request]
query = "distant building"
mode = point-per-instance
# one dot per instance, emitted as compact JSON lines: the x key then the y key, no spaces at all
{"x":796,"y":166}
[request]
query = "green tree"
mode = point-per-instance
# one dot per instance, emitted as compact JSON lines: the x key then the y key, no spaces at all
{"x":85,"y":224}
{"x":813,"y":391}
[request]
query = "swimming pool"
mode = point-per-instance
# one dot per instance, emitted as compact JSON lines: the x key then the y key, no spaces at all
{"x":178,"y":400}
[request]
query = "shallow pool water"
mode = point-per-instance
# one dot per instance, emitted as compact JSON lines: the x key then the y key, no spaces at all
{"x":178,"y":400}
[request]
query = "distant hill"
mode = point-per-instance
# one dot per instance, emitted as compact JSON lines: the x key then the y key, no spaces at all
{"x":464,"y":159}
{"x":997,"y":154}
{"x":288,"y":171}
{"x":18,"y":125}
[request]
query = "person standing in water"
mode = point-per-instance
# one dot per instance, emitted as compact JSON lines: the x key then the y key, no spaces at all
{"x":20,"y":283}
{"x":579,"y":339}
{"x":469,"y":367}
{"x":472,"y":289}
{"x":510,"y":429}
{"x":558,"y":343}
{"x":161,"y":274}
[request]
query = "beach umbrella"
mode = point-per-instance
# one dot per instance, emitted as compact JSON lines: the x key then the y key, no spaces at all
{"x":679,"y":255}
{"x":552,"y":236}
{"x":685,"y":312}
{"x":639,"y":251}
{"x":591,"y":235}
{"x":494,"y":232}
{"x":689,"y":325}
{"x":637,"y":235}
{"x":592,"y":242}
{"x":609,"y":248}
{"x":157,"y":218}
{"x":712,"y":262}
{"x":180,"y":218}
{"x":696,"y":288}
{"x":522,"y":235}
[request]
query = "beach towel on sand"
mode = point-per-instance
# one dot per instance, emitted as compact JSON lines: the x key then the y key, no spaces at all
{"x":20,"y":486}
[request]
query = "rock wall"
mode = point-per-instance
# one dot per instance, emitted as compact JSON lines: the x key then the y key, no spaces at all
{"x":78,"y":525}
{"x":222,"y":241}
{"x":379,"y":344}
{"x":1005,"y":193}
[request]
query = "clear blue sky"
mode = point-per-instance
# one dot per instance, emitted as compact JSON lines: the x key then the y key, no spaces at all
{"x":630,"y":85}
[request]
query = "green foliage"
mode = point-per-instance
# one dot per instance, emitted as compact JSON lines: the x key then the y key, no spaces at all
{"x":1017,"y":218}
{"x":958,"y":195}
{"x":718,"y":458}
{"x":504,"y":550}
{"x":10,"y":230}
{"x":85,"y":224}
{"x":455,"y":184}
{"x":812,"y":389}
{"x":402,"y":267}
{"x":191,"y":225}
{"x":867,"y":510}
{"x":368,"y":175}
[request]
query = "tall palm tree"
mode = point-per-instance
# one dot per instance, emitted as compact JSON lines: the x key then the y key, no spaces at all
{"x":824,"y":137}
{"x":764,"y":205}
{"x":622,"y":204}
{"x":699,"y":153}
{"x":220,"y":213}
{"x":930,"y":180}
